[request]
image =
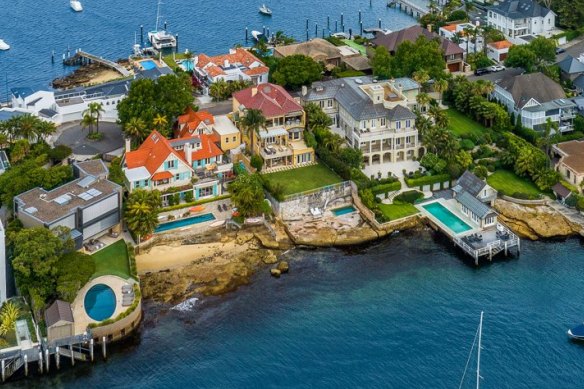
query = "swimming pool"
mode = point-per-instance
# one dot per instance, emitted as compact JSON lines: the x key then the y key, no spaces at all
{"x":450,"y":220}
{"x":185,"y":222}
{"x":100,"y":302}
{"x":148,"y":64}
{"x":343,"y":210}
{"x":187,"y":65}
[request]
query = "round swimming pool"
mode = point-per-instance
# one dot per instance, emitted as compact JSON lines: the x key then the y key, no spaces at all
{"x":100,"y":302}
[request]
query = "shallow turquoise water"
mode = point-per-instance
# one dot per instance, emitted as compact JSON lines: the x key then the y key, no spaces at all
{"x":343,"y":211}
{"x":400,"y":314}
{"x":447,"y":218}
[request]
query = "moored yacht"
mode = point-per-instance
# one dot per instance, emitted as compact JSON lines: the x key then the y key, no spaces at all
{"x":76,"y":5}
{"x":4,"y":45}
{"x":264,"y":10}
{"x":159,"y":38}
{"x":258,"y":35}
{"x":577,"y":333}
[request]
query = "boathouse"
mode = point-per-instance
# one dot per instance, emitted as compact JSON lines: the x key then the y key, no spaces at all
{"x":59,"y":320}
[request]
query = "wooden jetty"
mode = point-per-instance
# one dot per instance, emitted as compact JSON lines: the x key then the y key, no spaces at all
{"x":81,"y":58}
{"x":410,"y":7}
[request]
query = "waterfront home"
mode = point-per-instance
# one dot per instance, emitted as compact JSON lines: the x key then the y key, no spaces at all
{"x":238,"y":65}
{"x":326,"y":53}
{"x":281,"y":141}
{"x":374,"y":116}
{"x":453,"y":54}
{"x":3,"y":279}
{"x":569,"y":161}
{"x":476,"y":187}
{"x":516,"y":18}
{"x":535,"y":97}
{"x":220,"y":128}
{"x":498,"y":51}
{"x":192,"y":164}
{"x":90,"y":205}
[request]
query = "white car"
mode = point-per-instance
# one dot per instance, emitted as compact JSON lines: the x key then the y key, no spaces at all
{"x":496,"y":68}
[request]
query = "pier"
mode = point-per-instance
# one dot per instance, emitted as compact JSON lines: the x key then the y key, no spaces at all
{"x":81,"y":58}
{"x":411,"y":7}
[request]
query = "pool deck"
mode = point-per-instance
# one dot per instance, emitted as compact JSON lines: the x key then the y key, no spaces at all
{"x":495,"y":239}
{"x":82,"y":319}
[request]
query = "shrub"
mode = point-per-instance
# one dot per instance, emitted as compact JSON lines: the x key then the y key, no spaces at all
{"x":257,"y":162}
{"x":579,"y":203}
{"x":481,"y":171}
{"x":59,"y":153}
{"x":457,"y":15}
{"x":427,"y":180}
{"x":95,"y":136}
{"x":467,"y":144}
{"x":367,"y":198}
{"x":385,"y":188}
{"x":189,"y":196}
{"x":411,"y":196}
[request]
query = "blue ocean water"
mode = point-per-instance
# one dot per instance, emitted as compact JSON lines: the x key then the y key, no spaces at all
{"x":107,"y":28}
{"x":401,"y":313}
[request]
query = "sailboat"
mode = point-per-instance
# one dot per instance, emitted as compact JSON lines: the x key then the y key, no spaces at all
{"x":4,"y":45}
{"x":479,"y":335}
{"x":76,"y":5}
{"x":159,"y":38}
{"x":264,"y":10}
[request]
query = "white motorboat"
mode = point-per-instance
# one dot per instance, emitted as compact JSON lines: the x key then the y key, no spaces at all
{"x":258,"y":35}
{"x":4,"y":45}
{"x":159,"y":38}
{"x":264,"y":10}
{"x":76,"y":5}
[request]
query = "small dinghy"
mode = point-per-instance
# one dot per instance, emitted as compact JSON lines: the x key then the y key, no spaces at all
{"x":577,"y":333}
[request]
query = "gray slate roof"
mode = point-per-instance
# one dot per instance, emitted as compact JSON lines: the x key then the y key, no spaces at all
{"x":579,"y":82}
{"x":474,"y":205}
{"x":470,"y":183}
{"x":561,"y":190}
{"x":59,"y":310}
{"x":571,"y":65}
{"x":538,"y":86}
{"x":401,"y":113}
{"x":520,"y":9}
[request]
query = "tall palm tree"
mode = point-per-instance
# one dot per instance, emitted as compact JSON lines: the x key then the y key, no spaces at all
{"x":95,"y":109}
{"x":88,"y":121}
{"x":439,"y":116}
{"x":252,"y":122}
{"x":334,"y":142}
{"x":135,"y":129}
{"x":159,"y":122}
{"x":423,"y":99}
{"x":440,"y":86}
{"x":141,"y":212}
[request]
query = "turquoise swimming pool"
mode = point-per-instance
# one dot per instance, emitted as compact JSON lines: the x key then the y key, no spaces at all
{"x":100,"y":302}
{"x":148,"y":64}
{"x":343,"y":210}
{"x":450,"y":220}
{"x":185,"y":222}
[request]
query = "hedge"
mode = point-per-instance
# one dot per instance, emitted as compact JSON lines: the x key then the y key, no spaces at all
{"x":427,"y":180}
{"x":199,"y":202}
{"x":385,"y":188}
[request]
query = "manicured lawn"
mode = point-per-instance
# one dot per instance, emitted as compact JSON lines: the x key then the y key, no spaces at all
{"x":397,"y":211}
{"x":508,"y":183}
{"x":461,"y":124}
{"x":112,"y":260}
{"x":356,"y":46}
{"x":303,"y":178}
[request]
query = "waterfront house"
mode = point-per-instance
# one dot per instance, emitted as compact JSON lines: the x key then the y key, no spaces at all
{"x":90,"y":205}
{"x":192,"y":164}
{"x":569,"y":161}
{"x":221,"y":129}
{"x":498,"y":51}
{"x":59,"y":321}
{"x":238,"y":65}
{"x":374,"y":116}
{"x":535,"y":97}
{"x":470,"y":183}
{"x":281,"y":141}
{"x":516,"y":18}
{"x":326,"y":53}
{"x":453,"y":54}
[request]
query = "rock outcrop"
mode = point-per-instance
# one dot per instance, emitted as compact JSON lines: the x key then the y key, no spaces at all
{"x":275,"y":273}
{"x":534,"y":222}
{"x":283,"y":267}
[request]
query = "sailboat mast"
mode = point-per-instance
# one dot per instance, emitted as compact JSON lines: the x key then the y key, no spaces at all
{"x":158,"y":14}
{"x":479,"y":352}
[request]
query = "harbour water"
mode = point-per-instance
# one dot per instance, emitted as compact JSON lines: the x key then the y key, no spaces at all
{"x":107,"y":28}
{"x":401,"y":313}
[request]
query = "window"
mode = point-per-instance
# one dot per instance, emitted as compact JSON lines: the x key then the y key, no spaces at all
{"x":398,"y":124}
{"x":329,"y":103}
{"x":321,"y":103}
{"x":177,"y":177}
{"x":408,"y":123}
{"x":226,"y":140}
{"x":136,"y":184}
{"x":171,"y":164}
{"x":204,"y":192}
{"x":382,"y":122}
{"x":234,"y":139}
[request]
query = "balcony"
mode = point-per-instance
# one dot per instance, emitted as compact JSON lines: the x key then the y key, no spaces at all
{"x":275,"y":151}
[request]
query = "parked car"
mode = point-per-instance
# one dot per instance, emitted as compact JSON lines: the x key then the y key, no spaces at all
{"x":497,"y":68}
{"x":560,"y":50}
{"x":481,"y":71}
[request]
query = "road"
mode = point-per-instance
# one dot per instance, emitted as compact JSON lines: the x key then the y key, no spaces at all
{"x":216,"y":107}
{"x":574,"y":50}
{"x":498,"y":76}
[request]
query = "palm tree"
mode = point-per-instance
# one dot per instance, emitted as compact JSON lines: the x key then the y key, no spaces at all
{"x":141,"y":213}
{"x":88,"y":121}
{"x":135,"y":129}
{"x":549,"y":136}
{"x":421,"y":77}
{"x":159,"y":122}
{"x":219,"y":90}
{"x":423,"y":99}
{"x":440,"y":86}
{"x":524,"y":162}
{"x":252,"y":122}
{"x":9,"y":314}
{"x":94,"y":110}
{"x":334,"y":142}
{"x":439,"y":116}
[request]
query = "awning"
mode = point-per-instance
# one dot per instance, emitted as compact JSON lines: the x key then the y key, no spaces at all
{"x":162,"y":176}
{"x":273,"y":132}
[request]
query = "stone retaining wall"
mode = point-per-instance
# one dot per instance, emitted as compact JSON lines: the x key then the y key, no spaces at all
{"x":544,"y":201}
{"x":119,"y":329}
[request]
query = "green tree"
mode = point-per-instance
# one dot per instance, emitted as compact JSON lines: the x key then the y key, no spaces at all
{"x":381,"y":63}
{"x":544,"y":49}
{"x":219,"y":90}
{"x":570,"y":13}
{"x":423,"y":54}
{"x":136,"y":130}
{"x":316,"y":117}
{"x":88,"y":121}
{"x":297,"y":70}
{"x":95,"y":110}
{"x":116,"y":174}
{"x":247,"y":194}
{"x":74,"y":270}
{"x":521,"y":56}
{"x":549,"y":136}
{"x":27,"y":127}
{"x":19,"y":151}
{"x":252,"y":122}
{"x":141,"y":213}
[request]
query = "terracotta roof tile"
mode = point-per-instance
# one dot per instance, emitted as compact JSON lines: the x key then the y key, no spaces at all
{"x":191,"y":120}
{"x":501,"y":45}
{"x":212,"y":65}
{"x":450,"y":27}
{"x":272,"y":100}
{"x":161,"y":176}
{"x":151,"y":154}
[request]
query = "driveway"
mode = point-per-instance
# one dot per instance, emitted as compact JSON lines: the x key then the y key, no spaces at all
{"x":216,"y":107}
{"x":76,"y":138}
{"x":574,"y":50}
{"x":498,"y":76}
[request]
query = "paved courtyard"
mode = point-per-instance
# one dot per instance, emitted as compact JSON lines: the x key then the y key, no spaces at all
{"x":74,"y":136}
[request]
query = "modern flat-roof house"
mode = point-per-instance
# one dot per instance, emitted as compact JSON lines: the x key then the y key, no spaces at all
{"x":516,"y":18}
{"x":238,"y":65}
{"x":326,"y":53}
{"x":453,"y":54}
{"x":191,"y":164}
{"x":569,"y":161}
{"x":498,"y":51}
{"x":220,"y":128}
{"x":90,"y":205}
{"x":281,"y":141}
{"x":536,"y":97}
{"x":375,"y":117}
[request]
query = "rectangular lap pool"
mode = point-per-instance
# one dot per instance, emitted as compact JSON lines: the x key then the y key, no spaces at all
{"x":185,"y":222}
{"x":148,"y":65}
{"x":343,"y":210}
{"x":447,"y":218}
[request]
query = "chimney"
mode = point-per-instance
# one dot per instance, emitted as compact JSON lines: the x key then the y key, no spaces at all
{"x":226,"y":63}
{"x":189,"y":154}
{"x":304,"y":90}
{"x":128,"y":145}
{"x":254,"y":91}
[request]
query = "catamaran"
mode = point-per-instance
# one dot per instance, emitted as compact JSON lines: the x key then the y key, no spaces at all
{"x":76,"y":5}
{"x":4,"y":45}
{"x":159,"y":38}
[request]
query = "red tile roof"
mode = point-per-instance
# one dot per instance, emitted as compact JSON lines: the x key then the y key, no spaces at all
{"x":501,"y":45}
{"x":450,"y":27}
{"x":237,"y":56}
{"x":190,"y":120}
{"x":208,"y":149}
{"x":272,"y":100}
{"x":151,"y":154}
{"x":161,"y":176}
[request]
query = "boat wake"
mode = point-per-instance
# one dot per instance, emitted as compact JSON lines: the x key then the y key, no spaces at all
{"x":186,"y":305}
